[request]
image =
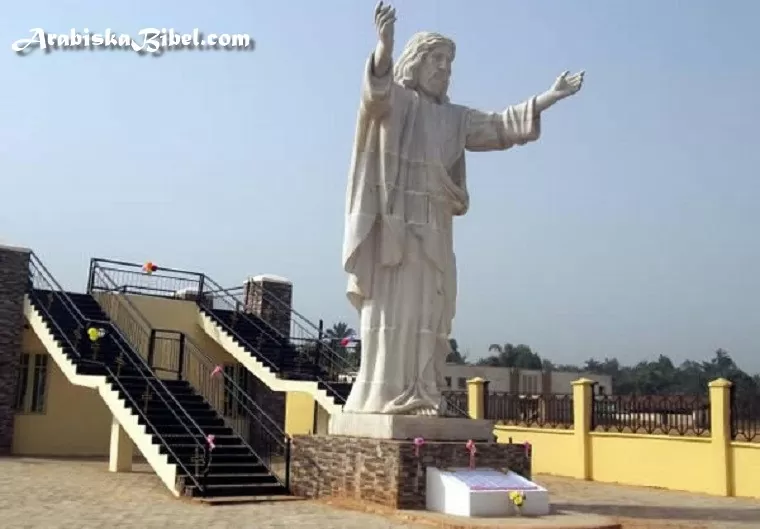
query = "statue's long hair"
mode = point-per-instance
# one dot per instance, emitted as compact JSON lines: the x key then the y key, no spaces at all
{"x":406,"y":70}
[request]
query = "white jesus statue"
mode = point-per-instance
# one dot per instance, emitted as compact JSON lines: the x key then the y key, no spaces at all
{"x":407,"y":182}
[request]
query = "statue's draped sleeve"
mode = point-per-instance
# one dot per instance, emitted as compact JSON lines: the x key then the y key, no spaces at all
{"x":495,"y":131}
{"x":365,"y":198}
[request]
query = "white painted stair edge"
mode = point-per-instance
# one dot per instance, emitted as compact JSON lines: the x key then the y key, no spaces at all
{"x":261,"y":371}
{"x":159,"y":462}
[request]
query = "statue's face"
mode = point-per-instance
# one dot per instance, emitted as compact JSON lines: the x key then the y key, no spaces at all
{"x":435,"y":71}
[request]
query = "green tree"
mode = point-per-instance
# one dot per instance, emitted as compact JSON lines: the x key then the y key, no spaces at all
{"x":335,"y":336}
{"x":455,"y":356}
{"x":661,"y":376}
{"x":508,"y":355}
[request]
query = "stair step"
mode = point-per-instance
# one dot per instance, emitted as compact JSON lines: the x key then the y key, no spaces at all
{"x":225,"y":450}
{"x":176,"y":429}
{"x":164,"y":421}
{"x":233,"y":468}
{"x":188,"y":439}
{"x":189,"y":399}
{"x":225,"y":490}
{"x":232,"y":460}
{"x":263,"y":478}
{"x":162,"y":411}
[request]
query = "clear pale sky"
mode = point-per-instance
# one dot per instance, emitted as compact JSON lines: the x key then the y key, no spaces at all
{"x":630,"y":229}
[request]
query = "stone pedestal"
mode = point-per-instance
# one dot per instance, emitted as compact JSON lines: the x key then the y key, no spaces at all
{"x":14,"y":279}
{"x":387,"y":471}
{"x":408,"y":427}
{"x":271,"y":299}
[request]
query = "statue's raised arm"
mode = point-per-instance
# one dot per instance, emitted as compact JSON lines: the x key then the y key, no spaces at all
{"x":385,"y":22}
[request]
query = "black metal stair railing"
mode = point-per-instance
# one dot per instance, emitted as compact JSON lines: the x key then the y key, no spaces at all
{"x":314,"y":354}
{"x":176,"y":354}
{"x":41,"y":279}
{"x":331,"y":366}
{"x":327,"y":363}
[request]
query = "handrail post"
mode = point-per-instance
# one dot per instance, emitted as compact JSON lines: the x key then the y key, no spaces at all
{"x":320,"y":337}
{"x":287,"y":463}
{"x":91,"y":276}
{"x":181,"y":359}
{"x":486,"y":399}
{"x":151,"y":347}
{"x":201,"y":287}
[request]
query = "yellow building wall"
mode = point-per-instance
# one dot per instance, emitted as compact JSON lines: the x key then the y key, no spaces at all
{"x":745,"y":469}
{"x":550,"y":448}
{"x":299,"y":413}
{"x":653,"y":461}
{"x":711,"y":465}
{"x":75,"y":423}
{"x":182,"y":316}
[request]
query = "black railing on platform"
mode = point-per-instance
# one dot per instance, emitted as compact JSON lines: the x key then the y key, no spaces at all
{"x":687,"y":415}
{"x":326,"y":362}
{"x":315,"y":355}
{"x":174,"y":353}
{"x":745,"y":414}
{"x":544,"y":411}
{"x":87,"y":353}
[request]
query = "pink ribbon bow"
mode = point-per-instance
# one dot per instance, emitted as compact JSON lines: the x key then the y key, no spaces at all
{"x":418,"y":442}
{"x":216,"y":371}
{"x":210,"y":440}
{"x":471,"y":448}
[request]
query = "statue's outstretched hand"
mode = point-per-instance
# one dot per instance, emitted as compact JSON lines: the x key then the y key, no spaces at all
{"x":567,"y":85}
{"x":385,"y":20}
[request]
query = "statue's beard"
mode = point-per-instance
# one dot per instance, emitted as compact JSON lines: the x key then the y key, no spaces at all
{"x":436,"y":92}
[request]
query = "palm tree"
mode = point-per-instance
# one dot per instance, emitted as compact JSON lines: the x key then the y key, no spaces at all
{"x":339,"y":330}
{"x":336,"y":334}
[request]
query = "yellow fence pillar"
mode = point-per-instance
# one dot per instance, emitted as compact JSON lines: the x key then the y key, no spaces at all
{"x":475,"y":398}
{"x":720,"y":437}
{"x":583,"y":390}
{"x":120,"y":455}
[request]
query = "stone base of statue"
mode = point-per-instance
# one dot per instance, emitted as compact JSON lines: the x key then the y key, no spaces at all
{"x":409,"y":427}
{"x":374,"y":457}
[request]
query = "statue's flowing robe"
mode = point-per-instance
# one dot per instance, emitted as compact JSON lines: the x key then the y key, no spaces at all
{"x":406,"y":183}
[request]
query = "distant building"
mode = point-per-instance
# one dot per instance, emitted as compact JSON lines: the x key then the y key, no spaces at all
{"x":524,"y":381}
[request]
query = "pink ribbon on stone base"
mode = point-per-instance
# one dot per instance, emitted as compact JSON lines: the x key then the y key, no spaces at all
{"x":471,"y":448}
{"x":418,"y":442}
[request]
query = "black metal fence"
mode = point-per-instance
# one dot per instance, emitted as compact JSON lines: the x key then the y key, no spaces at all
{"x":745,"y":415}
{"x":543,"y":411}
{"x":685,"y":415}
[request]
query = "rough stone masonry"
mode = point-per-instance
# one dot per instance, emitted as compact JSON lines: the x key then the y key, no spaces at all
{"x":387,"y":472}
{"x":14,"y":274}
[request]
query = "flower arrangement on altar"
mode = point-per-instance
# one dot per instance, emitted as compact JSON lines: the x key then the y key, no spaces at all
{"x":518,"y":500}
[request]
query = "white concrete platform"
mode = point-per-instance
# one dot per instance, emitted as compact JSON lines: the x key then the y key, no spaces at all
{"x":377,"y":426}
{"x":482,"y":492}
